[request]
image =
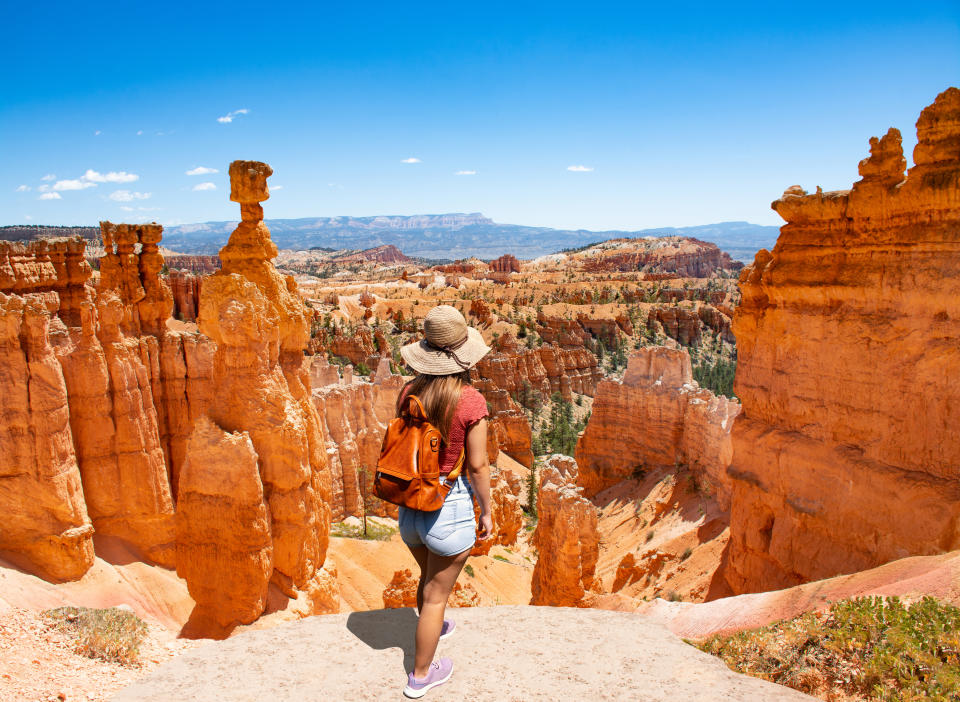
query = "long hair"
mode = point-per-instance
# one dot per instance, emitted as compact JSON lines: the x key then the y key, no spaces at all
{"x":439,"y":395}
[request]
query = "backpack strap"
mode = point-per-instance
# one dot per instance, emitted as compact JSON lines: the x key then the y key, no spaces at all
{"x":452,"y":476}
{"x":414,"y":408}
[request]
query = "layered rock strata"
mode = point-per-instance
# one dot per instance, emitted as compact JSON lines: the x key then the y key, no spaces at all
{"x":848,"y":340}
{"x":46,"y":528}
{"x":566,"y":539}
{"x":657,"y":416}
{"x":186,"y":288}
{"x":47,"y":265}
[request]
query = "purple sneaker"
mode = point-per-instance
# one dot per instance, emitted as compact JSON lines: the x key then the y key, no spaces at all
{"x":448,"y":628}
{"x":440,"y":672}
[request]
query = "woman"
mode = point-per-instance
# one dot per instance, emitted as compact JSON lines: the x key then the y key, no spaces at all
{"x":440,"y":541}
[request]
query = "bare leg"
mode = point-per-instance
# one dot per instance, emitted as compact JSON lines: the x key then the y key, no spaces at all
{"x":420,"y":553}
{"x":442,"y":572}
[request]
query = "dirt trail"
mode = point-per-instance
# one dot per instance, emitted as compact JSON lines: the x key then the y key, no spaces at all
{"x":500,"y":653}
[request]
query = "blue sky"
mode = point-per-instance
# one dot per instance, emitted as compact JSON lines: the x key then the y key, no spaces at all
{"x":671,"y":113}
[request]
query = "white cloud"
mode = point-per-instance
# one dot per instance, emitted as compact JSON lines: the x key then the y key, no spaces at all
{"x":27,"y":217}
{"x":126,"y":209}
{"x":74,"y":184}
{"x":412,"y":159}
{"x":276,"y":187}
{"x":230,"y":116}
{"x":204,"y":186}
{"x":580,"y":169}
{"x":111,"y":177}
{"x":466,"y":173}
{"x":50,"y":196}
{"x":139,"y":132}
{"x":127,"y":196}
{"x":97,"y":133}
{"x":23,"y":188}
{"x":202,"y":170}
{"x":49,"y":176}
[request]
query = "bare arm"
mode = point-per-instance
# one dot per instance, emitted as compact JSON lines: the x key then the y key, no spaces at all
{"x":478,"y":470}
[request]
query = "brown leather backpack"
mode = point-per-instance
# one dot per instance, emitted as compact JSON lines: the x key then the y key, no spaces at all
{"x":408,"y":472}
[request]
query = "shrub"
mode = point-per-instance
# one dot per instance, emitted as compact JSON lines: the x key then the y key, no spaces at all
{"x":468,"y":569}
{"x":870,"y":647}
{"x":650,"y":535}
{"x":498,"y":557}
{"x":674,"y":596}
{"x":687,"y":552}
{"x":108,"y":634}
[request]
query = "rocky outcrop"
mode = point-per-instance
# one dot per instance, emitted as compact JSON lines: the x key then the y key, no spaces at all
{"x":505,"y":264}
{"x":682,"y":256}
{"x":46,"y":529}
{"x":134,"y":275}
{"x":505,"y":509}
{"x":47,"y":265}
{"x":360,"y":345}
{"x":185,"y":287}
{"x":846,"y":454}
{"x":388,"y":253}
{"x":656,"y":416}
{"x":516,"y":369}
{"x":260,"y":326}
{"x":402,"y":592}
{"x":195,"y":264}
{"x":566,"y":539}
{"x":354,"y":419}
{"x":224,"y":545}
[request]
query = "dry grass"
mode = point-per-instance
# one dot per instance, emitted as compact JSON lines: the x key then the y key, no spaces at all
{"x":111,"y":634}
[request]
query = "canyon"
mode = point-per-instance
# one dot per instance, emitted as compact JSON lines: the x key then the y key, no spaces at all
{"x":218,"y":421}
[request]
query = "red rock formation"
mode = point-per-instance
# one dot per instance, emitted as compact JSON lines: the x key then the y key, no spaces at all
{"x":402,"y":592}
{"x":505,"y":264}
{"x":56,"y":265}
{"x":505,"y":507}
{"x":548,"y":369}
{"x":260,"y":326}
{"x":115,"y":428}
{"x":480,"y":310}
{"x":358,"y":345}
{"x":565,"y":333}
{"x":566,"y":539}
{"x":388,"y":253}
{"x":224,"y":545}
{"x":656,"y":416}
{"x":685,"y":257}
{"x":186,"y":294}
{"x":680,"y":323}
{"x":846,"y":454}
{"x":46,"y":529}
{"x":135,"y":276}
{"x":194,"y":264}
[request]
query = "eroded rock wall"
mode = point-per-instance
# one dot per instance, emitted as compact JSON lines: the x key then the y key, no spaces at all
{"x":566,"y":539}
{"x":656,"y":416}
{"x":848,"y":335}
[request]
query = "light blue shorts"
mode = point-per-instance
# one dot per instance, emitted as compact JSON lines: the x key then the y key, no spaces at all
{"x":447,"y":531}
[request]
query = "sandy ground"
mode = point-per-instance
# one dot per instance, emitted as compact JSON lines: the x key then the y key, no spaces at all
{"x":500,"y":653}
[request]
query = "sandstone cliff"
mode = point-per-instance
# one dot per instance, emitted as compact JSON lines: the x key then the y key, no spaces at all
{"x":656,"y":416}
{"x":846,"y":454}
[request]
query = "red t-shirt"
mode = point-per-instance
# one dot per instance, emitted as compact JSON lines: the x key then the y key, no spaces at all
{"x":471,"y":408}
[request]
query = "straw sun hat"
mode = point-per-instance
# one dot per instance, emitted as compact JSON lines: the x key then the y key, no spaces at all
{"x":449,"y":345}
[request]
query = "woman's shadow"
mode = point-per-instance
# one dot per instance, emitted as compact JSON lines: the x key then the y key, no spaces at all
{"x":387,"y":628}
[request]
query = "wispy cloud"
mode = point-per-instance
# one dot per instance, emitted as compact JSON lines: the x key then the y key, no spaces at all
{"x":201,"y":170}
{"x":50,"y":196}
{"x":49,"y":176}
{"x":580,"y":169}
{"x":27,"y":217}
{"x":230,"y":116}
{"x":73,"y":184}
{"x":111,"y":177}
{"x":139,"y":132}
{"x":97,"y":133}
{"x":23,"y":188}
{"x":412,"y":159}
{"x":276,"y":187}
{"x":128,"y":196}
{"x":466,"y":173}
{"x":204,"y":186}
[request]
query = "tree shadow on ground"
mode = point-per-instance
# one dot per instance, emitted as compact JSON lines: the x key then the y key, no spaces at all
{"x":386,"y":628}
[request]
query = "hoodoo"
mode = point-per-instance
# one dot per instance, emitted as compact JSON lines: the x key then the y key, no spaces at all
{"x":848,"y":335}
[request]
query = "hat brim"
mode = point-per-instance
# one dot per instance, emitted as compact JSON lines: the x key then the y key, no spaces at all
{"x":426,"y":359}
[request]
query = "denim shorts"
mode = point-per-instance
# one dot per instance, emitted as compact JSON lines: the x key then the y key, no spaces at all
{"x":447,"y":531}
